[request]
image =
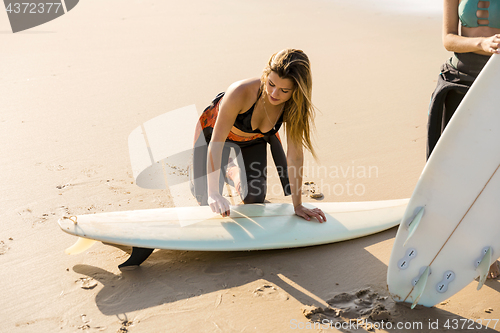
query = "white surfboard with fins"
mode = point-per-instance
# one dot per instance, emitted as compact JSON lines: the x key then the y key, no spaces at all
{"x":450,"y":232}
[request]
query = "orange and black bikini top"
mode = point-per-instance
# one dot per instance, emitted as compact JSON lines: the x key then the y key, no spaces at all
{"x":243,"y":122}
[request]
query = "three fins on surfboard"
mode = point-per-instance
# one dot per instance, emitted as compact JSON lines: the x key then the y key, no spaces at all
{"x":482,"y":267}
{"x":138,"y":256}
{"x":482,"y":264}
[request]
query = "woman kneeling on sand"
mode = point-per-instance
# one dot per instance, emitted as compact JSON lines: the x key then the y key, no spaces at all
{"x":246,"y":118}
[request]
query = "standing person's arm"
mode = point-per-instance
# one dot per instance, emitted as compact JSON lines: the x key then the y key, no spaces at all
{"x":454,"y":42}
{"x":295,"y":160}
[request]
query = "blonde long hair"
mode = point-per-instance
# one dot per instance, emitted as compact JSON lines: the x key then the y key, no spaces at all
{"x":298,"y":111}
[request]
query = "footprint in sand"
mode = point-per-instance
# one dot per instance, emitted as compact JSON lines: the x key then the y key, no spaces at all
{"x":87,"y":283}
{"x":363,"y":304}
{"x":28,"y":216}
{"x":54,"y":167}
{"x":259,"y":272}
{"x":311,"y":190}
{"x":270,"y":291}
{"x":89,"y":172}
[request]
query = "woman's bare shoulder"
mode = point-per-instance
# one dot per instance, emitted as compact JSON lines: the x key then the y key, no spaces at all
{"x":244,"y":90}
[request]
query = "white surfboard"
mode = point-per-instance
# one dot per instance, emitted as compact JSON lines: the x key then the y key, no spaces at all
{"x":250,"y":227}
{"x":450,"y":233}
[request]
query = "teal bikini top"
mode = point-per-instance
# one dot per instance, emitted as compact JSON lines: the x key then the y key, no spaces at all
{"x":467,"y":12}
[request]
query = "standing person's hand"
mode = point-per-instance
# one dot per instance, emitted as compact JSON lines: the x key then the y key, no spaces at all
{"x":491,"y":44}
{"x":219,"y":204}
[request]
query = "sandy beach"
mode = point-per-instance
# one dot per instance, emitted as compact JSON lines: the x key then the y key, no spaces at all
{"x":74,"y":88}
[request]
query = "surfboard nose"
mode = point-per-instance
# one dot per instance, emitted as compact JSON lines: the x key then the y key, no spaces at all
{"x":68,"y":224}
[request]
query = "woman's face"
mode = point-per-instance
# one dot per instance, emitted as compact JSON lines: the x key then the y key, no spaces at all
{"x":279,"y":90}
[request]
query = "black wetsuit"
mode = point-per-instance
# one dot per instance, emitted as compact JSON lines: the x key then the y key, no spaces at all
{"x":455,"y":79}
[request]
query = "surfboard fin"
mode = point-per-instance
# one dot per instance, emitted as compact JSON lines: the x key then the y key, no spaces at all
{"x":138,"y":256}
{"x":81,"y":245}
{"x":484,"y":268}
{"x":412,"y":226}
{"x":420,"y":286}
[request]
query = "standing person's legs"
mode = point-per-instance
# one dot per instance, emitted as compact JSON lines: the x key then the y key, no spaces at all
{"x":451,"y":103}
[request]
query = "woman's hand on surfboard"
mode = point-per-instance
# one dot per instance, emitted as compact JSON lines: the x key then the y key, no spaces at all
{"x":219,"y":204}
{"x":307,"y":213}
